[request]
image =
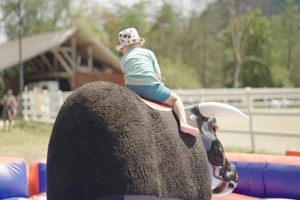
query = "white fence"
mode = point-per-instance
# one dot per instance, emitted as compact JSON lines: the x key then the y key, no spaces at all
{"x":258,"y":104}
{"x":274,"y":115}
{"x":42,"y":106}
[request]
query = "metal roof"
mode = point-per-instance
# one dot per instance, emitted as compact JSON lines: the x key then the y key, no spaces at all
{"x":36,"y":45}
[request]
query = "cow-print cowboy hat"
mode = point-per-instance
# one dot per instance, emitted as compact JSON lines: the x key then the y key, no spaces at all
{"x":129,"y":36}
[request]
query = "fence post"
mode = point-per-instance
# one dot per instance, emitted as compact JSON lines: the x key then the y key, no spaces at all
{"x":46,"y":102}
{"x":202,"y":97}
{"x":25,"y":104}
{"x":60,"y":98}
{"x":31,"y":105}
{"x":249,"y":110}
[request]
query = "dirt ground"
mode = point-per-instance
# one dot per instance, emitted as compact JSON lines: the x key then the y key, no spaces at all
{"x":273,"y":144}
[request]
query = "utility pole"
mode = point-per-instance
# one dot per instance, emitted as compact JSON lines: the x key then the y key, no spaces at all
{"x":21,"y":70}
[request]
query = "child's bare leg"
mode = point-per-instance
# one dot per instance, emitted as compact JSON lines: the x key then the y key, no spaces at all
{"x":175,"y":101}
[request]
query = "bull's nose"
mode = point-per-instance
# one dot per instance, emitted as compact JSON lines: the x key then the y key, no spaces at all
{"x":217,"y":127}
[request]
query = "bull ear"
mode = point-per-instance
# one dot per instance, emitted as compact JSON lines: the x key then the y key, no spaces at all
{"x":217,"y":109}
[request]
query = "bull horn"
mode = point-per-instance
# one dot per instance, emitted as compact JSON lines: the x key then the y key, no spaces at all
{"x":217,"y":109}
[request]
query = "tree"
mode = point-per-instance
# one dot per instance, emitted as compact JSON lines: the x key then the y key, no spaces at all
{"x":37,"y":16}
{"x":290,"y":30}
{"x":165,"y":32}
{"x":168,"y":39}
{"x":177,"y":75}
{"x":201,"y":44}
{"x":256,"y":71}
{"x":110,"y":21}
{"x":285,"y":45}
{"x":90,"y":17}
{"x":235,"y":31}
{"x":248,"y":36}
{"x":125,"y":17}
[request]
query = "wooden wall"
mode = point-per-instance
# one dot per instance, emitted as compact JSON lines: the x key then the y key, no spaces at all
{"x":80,"y":79}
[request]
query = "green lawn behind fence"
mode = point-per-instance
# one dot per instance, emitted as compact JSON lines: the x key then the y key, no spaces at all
{"x":28,"y":140}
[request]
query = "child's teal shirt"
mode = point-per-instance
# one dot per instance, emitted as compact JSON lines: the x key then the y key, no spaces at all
{"x":140,"y":67}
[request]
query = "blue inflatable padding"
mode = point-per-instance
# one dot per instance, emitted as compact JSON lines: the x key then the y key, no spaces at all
{"x":13,"y":179}
{"x":268,"y":180}
{"x":42,"y":177}
{"x":15,"y":198}
{"x":251,"y":176}
{"x":282,"y":181}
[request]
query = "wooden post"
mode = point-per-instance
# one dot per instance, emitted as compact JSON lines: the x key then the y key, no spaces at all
{"x":90,"y":58}
{"x":47,"y":62}
{"x":74,"y":53}
{"x":251,"y":124}
{"x":65,"y":52}
{"x":63,"y":62}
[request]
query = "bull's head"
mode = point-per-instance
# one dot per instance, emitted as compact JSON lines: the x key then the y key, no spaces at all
{"x":224,"y":177}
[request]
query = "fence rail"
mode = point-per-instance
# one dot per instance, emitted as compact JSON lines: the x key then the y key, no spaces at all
{"x":255,"y":102}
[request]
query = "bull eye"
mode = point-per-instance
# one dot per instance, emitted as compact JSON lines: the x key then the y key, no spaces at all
{"x":220,"y":173}
{"x":231,"y":185}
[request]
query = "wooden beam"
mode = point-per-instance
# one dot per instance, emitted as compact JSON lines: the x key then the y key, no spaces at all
{"x":68,"y":49}
{"x":34,"y":64}
{"x":55,"y":63}
{"x":74,"y":52}
{"x":39,"y":64}
{"x":31,"y":63}
{"x":90,"y":57}
{"x":78,"y":61}
{"x":48,"y":75}
{"x":62,"y":62}
{"x":47,"y":62}
{"x":68,"y":58}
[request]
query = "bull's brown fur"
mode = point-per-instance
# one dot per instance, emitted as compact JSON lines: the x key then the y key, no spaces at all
{"x":106,"y":142}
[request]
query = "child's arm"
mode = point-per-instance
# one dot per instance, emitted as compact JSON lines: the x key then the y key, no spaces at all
{"x":157,"y":68}
{"x":160,"y":78}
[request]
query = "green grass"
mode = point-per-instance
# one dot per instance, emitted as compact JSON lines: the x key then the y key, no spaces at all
{"x":28,"y":140}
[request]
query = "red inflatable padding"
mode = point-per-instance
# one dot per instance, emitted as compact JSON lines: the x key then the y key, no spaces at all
{"x":261,"y":158}
{"x":292,"y":153}
{"x":13,"y":178}
{"x":234,"y":196}
{"x":37,"y":177}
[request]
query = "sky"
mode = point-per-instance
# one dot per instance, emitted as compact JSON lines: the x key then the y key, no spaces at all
{"x":185,"y":5}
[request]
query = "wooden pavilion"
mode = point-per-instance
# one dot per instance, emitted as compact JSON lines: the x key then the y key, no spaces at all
{"x":71,"y":57}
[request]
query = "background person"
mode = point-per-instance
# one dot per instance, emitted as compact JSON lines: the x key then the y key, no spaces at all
{"x":9,"y":108}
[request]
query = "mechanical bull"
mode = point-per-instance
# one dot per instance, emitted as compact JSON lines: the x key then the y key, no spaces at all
{"x":107,"y":142}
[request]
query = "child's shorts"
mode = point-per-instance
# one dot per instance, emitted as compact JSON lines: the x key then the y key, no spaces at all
{"x":158,"y":93}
